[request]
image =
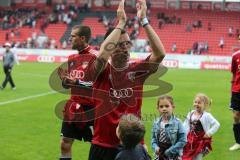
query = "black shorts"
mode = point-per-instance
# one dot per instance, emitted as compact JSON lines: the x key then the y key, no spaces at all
{"x":102,"y":153}
{"x":71,"y":130}
{"x":235,"y":101}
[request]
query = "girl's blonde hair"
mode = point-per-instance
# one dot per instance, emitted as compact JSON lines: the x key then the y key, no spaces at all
{"x":205,"y":99}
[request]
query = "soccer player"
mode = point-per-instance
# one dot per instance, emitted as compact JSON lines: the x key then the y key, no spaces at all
{"x":235,"y":99}
{"x":8,"y":61}
{"x":73,"y":126}
{"x":118,"y":85}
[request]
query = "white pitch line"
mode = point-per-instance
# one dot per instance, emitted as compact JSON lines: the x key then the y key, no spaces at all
{"x":27,"y":98}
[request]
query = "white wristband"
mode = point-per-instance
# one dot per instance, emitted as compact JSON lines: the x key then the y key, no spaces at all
{"x":144,"y":22}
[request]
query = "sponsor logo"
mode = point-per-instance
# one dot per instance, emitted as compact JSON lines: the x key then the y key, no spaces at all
{"x":121,"y":93}
{"x":131,"y":75}
{"x":170,"y":63}
{"x":217,"y":66}
{"x":78,"y":74}
{"x":46,"y":59}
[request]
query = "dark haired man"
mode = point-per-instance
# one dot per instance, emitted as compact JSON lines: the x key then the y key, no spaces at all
{"x":118,"y":84}
{"x":235,"y":99}
{"x":72,"y":126}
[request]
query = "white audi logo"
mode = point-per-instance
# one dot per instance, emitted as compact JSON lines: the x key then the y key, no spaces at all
{"x":79,"y":74}
{"x":45,"y":58}
{"x":121,"y":93}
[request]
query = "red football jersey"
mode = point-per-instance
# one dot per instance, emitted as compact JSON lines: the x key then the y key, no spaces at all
{"x":117,"y":92}
{"x":77,"y":64}
{"x":235,"y":69}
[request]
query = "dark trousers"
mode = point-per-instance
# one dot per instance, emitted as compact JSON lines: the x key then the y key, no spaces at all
{"x":8,"y":77}
{"x":101,"y":153}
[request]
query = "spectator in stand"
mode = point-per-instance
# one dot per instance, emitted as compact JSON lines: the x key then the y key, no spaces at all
{"x":197,"y":24}
{"x":52,"y":43}
{"x":7,"y":36}
{"x":64,"y":44}
{"x":221,"y":43}
{"x":148,"y":48}
{"x":195,"y":47}
{"x":230,"y":31}
{"x":134,"y":34}
{"x":200,"y":48}
{"x":179,"y":20}
{"x":209,"y":26}
{"x":17,"y":32}
{"x":237,"y":32}
{"x":174,"y":47}
{"x":148,"y":7}
{"x":206,"y":47}
{"x":34,"y":23}
{"x":107,"y":3}
{"x":160,"y":23}
{"x":188,"y":28}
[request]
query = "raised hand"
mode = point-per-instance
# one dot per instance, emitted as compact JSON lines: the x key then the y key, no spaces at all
{"x":121,"y":15}
{"x":141,"y":9}
{"x":62,"y":73}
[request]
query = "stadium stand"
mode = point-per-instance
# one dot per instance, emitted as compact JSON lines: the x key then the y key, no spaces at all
{"x":174,"y":35}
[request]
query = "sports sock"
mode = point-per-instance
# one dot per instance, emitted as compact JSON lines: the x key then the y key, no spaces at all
{"x":236,"y":131}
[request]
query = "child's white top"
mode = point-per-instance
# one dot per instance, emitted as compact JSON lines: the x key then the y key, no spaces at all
{"x":209,"y":123}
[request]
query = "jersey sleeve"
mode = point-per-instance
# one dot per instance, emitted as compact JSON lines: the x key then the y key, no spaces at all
{"x":233,"y":66}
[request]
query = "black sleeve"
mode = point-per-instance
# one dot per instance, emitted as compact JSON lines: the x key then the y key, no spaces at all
{"x":146,"y":155}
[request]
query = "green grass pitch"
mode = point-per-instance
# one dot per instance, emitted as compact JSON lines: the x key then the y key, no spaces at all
{"x":30,"y":129}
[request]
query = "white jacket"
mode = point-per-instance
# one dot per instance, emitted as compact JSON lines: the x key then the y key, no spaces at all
{"x":209,"y":123}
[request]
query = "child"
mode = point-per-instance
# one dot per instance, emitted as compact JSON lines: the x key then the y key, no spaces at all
{"x":168,"y":135}
{"x":131,"y":131}
{"x":200,"y":126}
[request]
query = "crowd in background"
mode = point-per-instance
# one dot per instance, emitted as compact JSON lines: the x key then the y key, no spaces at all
{"x":61,"y":13}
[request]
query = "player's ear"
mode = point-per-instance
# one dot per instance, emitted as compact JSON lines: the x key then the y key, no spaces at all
{"x":83,"y":38}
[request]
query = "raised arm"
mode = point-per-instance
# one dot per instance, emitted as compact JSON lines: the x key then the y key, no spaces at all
{"x":109,"y":44}
{"x":158,"y":51}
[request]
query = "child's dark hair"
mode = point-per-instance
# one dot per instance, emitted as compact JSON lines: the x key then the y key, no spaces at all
{"x":169,"y":98}
{"x":131,"y":130}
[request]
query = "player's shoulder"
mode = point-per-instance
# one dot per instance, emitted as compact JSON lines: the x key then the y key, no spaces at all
{"x":72,"y":56}
{"x":93,"y":52}
{"x":236,"y":54}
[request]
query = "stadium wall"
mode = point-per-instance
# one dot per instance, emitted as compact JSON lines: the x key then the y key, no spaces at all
{"x":171,"y":60}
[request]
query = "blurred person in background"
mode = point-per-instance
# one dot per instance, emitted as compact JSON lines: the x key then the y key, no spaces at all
{"x":9,"y":58}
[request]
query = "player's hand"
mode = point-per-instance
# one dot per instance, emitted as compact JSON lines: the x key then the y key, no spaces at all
{"x":70,"y":80}
{"x":121,"y":15}
{"x":141,"y":9}
{"x":207,"y":136}
{"x":158,"y":152}
{"x":62,"y":73}
{"x":145,"y":147}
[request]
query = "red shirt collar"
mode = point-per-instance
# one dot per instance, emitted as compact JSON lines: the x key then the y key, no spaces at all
{"x":85,"y":50}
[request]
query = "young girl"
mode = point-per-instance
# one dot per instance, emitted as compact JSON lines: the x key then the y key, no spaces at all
{"x":168,"y":135}
{"x":200,"y":126}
